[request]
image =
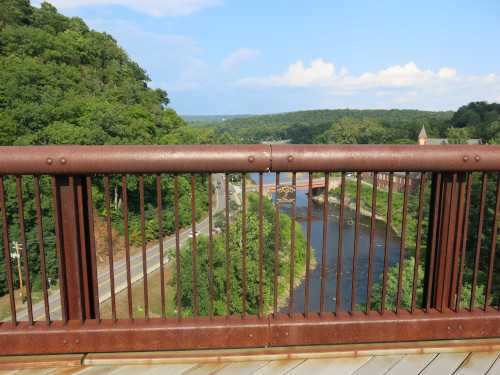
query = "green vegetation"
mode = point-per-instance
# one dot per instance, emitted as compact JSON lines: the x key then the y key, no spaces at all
{"x":411,"y":236}
{"x":407,"y":289}
{"x":326,"y":126}
{"x":475,"y":120}
{"x":62,"y":83}
{"x":397,"y":208}
{"x":236,"y":263}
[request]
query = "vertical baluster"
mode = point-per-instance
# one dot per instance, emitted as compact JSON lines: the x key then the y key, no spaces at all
{"x":431,"y":255}
{"x":372,"y":243}
{"x":464,"y":241}
{"x":261,"y":244}
{"x":446,"y":293}
{"x":6,"y":245}
{"x":292,"y":250}
{"x":308,"y":252}
{"x":276,"y":247}
{"x":493,"y":246}
{"x":479,"y":235}
{"x":177,"y":247}
{"x":127,"y":247}
{"x":341,"y":236}
{"x":457,"y":236}
{"x":356,"y":242}
{"x":90,"y":209}
{"x":244,"y":246}
{"x":160,"y":245}
{"x":193,"y":226}
{"x":110,"y":249}
{"x":24,"y":250}
{"x":387,"y":241}
{"x":144,"y":255}
{"x":228,"y":312}
{"x":403,"y":242}
{"x":58,"y":232}
{"x":211,"y":245}
{"x":42,"y":250}
{"x":84,"y":289}
{"x":325,"y":234}
{"x":419,"y":238}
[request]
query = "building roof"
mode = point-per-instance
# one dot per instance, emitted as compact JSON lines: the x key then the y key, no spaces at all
{"x":444,"y":141}
{"x":422,"y":134}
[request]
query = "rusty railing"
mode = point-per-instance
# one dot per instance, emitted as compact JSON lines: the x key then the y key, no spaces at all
{"x":75,"y":215}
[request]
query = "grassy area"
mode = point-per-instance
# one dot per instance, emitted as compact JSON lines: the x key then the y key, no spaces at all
{"x":5,"y":302}
{"x":154,"y":298}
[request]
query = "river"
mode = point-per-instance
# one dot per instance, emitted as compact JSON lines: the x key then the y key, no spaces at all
{"x":332,"y":252}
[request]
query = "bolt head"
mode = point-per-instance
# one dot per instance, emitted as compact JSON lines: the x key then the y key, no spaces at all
{"x":478,"y":158}
{"x":251,"y":159}
{"x":49,"y":161}
{"x":63,"y":161}
{"x":290,"y":158}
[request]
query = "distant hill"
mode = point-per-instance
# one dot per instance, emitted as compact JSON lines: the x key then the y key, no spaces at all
{"x":310,"y":126}
{"x":63,"y":83}
{"x":204,"y":120}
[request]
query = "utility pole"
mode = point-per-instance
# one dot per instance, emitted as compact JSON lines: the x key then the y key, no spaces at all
{"x":16,"y":255}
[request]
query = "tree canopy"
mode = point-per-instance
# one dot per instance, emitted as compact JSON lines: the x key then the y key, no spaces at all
{"x":62,"y":83}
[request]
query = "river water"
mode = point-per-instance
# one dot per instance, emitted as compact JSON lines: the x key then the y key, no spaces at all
{"x":332,"y":252}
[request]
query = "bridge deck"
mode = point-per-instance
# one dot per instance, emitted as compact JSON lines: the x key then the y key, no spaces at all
{"x":475,"y":357}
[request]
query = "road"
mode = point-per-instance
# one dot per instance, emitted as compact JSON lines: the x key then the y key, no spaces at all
{"x":136,"y":264}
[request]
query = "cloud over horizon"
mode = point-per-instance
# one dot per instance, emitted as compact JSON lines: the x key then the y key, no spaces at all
{"x":409,"y":80}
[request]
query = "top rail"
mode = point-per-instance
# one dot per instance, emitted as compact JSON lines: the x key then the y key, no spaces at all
{"x":57,"y":160}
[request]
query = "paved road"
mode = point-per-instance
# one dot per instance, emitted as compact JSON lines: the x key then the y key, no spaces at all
{"x":136,"y":265}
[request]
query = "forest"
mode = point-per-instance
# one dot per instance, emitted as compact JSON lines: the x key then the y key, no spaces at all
{"x":62,"y":83}
{"x":479,"y":120}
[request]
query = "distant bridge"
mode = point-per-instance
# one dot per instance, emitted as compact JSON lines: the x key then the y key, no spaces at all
{"x":303,"y":183}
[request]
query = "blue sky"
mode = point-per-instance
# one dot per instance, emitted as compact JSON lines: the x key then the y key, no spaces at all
{"x":271,"y":56}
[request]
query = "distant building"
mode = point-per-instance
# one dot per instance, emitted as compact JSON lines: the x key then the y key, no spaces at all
{"x":423,"y":140}
{"x":422,"y":137}
{"x":398,"y":181}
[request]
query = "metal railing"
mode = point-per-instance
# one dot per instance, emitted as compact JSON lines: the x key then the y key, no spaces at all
{"x":366,"y":264}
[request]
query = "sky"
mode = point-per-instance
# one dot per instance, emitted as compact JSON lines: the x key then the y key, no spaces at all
{"x":231,"y":57}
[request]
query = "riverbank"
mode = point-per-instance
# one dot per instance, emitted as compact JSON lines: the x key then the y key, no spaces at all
{"x":381,"y":210}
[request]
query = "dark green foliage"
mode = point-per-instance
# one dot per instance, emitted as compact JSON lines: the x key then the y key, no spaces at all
{"x":61,"y":83}
{"x":480,"y":119}
{"x":373,"y":126}
{"x":236,"y":263}
{"x":65,"y":84}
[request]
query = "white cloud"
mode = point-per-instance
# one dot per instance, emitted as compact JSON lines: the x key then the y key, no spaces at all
{"x":322,"y":74}
{"x":395,"y":85}
{"x":318,"y":74}
{"x":408,"y":75}
{"x":447,"y":72}
{"x":238,"y":57}
{"x":156,"y":8}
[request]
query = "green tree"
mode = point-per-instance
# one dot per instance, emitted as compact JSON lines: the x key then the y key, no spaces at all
{"x":236,"y":263}
{"x":15,"y":12}
{"x":457,"y":135}
{"x":407,"y":289}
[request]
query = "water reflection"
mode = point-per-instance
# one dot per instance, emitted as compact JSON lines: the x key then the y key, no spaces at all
{"x":332,"y":252}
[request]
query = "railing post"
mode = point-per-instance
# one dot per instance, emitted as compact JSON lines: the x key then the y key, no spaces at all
{"x":75,"y":266}
{"x":444,"y":239}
